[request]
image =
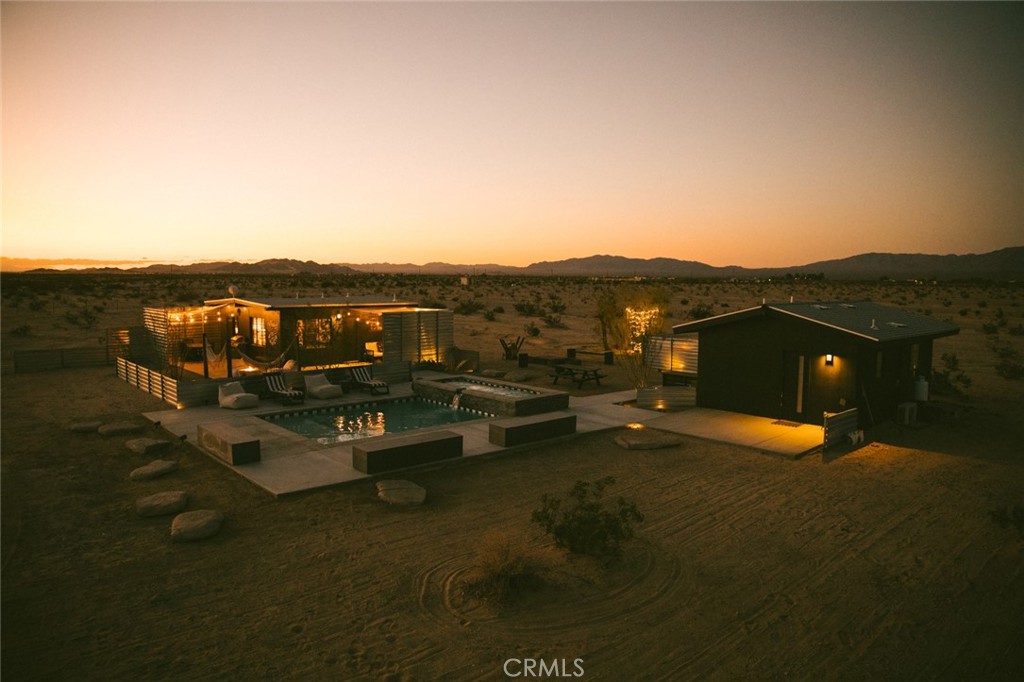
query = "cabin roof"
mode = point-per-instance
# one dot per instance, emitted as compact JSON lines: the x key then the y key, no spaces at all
{"x":864,"y":319}
{"x":283,"y":302}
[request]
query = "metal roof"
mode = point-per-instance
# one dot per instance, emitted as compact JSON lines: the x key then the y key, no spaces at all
{"x":278,"y":302}
{"x":867,"y":320}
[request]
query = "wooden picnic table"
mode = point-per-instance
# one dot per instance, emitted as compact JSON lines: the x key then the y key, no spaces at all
{"x":580,"y":374}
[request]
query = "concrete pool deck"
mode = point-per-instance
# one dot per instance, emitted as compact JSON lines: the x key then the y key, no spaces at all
{"x":291,"y":463}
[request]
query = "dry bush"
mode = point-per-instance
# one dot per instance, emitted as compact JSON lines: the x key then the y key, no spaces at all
{"x":506,"y":564}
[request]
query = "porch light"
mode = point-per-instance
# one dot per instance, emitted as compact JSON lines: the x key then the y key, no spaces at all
{"x":829,"y":359}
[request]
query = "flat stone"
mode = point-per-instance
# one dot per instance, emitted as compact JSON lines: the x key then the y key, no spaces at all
{"x":155,"y":469}
{"x":161,"y":504}
{"x":86,"y":427}
{"x":492,"y":373}
{"x":119,"y":428}
{"x":196,"y":525}
{"x":647,"y":439}
{"x":401,"y":492}
{"x":147,"y":446}
{"x":519,"y":375}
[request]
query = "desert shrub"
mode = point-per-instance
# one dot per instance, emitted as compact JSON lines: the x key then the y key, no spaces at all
{"x":556,"y":307}
{"x":1010,"y":369}
{"x":527,"y":309}
{"x":553,"y":321}
{"x":468,"y":307}
{"x":990,"y":328}
{"x":585,"y":523}
{"x":504,"y":566}
{"x":23,"y":330}
{"x":1017,"y":330}
{"x":489,"y":315}
{"x":499,"y":309}
{"x":951,"y":379}
{"x":531,"y":329}
{"x":701,"y":311}
{"x":1010,"y":517}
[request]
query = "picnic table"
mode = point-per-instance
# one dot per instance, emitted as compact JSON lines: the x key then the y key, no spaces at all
{"x":580,"y":374}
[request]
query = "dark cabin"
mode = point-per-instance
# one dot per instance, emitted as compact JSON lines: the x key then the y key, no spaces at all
{"x":796,"y":361}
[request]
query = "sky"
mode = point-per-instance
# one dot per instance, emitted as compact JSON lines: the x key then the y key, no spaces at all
{"x":754,"y":134}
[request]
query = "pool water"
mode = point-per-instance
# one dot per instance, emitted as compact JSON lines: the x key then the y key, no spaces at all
{"x":347,"y":423}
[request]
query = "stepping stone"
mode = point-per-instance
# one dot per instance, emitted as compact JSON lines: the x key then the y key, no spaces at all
{"x":161,"y":504}
{"x":119,"y":428}
{"x":519,"y":375}
{"x":648,"y":439}
{"x":147,"y":446}
{"x":155,"y":469}
{"x":86,"y":427}
{"x":196,"y":525}
{"x":492,"y":373}
{"x":404,"y":493}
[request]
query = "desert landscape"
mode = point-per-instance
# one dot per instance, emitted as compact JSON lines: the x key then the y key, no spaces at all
{"x":885,"y":560}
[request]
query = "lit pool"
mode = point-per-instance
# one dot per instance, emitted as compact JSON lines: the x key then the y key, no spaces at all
{"x":351,"y":422}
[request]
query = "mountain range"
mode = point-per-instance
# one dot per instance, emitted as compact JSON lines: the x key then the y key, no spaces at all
{"x":1004,"y":264}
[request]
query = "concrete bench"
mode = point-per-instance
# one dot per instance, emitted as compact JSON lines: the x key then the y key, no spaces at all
{"x":520,"y":430}
{"x":231,"y":444}
{"x":388,"y":453}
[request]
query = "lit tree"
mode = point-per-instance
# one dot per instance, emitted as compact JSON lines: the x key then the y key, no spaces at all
{"x":642,"y":323}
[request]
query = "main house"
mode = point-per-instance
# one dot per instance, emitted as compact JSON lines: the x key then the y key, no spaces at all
{"x":255,"y":334}
{"x":796,"y":361}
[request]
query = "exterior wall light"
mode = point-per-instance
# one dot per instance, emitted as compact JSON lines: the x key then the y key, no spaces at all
{"x":829,"y":359}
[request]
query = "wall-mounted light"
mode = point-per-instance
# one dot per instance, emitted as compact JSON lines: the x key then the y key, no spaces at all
{"x":829,"y":359}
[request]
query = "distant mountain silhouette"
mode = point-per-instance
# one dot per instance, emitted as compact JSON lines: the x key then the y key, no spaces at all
{"x":1004,"y":264}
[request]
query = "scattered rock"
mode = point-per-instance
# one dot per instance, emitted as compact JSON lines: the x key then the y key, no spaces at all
{"x":492,"y":373}
{"x":401,"y":492}
{"x":196,"y":525}
{"x":86,"y":427}
{"x":147,"y":446}
{"x":119,"y":428}
{"x":519,"y":375}
{"x":161,"y":504}
{"x":155,"y":469}
{"x":648,"y":439}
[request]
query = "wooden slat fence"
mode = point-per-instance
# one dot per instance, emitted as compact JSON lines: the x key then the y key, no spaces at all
{"x":838,"y":424}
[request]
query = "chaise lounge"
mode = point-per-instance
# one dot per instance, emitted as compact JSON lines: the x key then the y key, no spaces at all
{"x":232,"y":396}
{"x":279,"y":389}
{"x":318,"y":386}
{"x":363,"y":380}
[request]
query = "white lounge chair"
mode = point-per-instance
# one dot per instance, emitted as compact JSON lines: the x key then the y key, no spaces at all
{"x":233,"y":397}
{"x":319,"y":387}
{"x":362,"y":377}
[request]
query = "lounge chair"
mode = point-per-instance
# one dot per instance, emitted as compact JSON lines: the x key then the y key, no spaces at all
{"x":319,"y":387}
{"x":233,"y":397}
{"x":364,"y":380}
{"x":279,"y":389}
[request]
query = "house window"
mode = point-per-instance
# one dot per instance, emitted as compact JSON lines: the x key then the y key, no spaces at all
{"x":259,"y":332}
{"x":315,"y":333}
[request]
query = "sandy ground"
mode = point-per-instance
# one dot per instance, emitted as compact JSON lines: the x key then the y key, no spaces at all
{"x":879,"y":563}
{"x":882,"y":563}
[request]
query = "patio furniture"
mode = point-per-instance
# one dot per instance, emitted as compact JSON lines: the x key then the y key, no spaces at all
{"x":279,"y":389}
{"x":577,"y":373}
{"x":233,"y":397}
{"x":318,"y":386}
{"x":365,"y":381}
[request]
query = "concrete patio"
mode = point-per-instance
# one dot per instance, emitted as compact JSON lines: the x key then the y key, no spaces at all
{"x":291,"y":463}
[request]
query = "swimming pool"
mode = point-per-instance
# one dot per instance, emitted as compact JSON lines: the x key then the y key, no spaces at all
{"x":345,"y":423}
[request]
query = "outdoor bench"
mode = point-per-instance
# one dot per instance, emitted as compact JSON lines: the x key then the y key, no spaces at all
{"x":520,"y":430}
{"x":231,"y":444}
{"x":387,"y":453}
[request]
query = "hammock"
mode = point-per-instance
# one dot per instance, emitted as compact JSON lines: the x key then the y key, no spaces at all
{"x":264,"y":365}
{"x":213,"y":357}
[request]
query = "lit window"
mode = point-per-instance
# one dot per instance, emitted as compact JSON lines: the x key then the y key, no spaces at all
{"x":314,"y":333}
{"x":259,"y":332}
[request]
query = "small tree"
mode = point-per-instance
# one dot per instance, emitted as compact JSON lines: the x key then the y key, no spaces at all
{"x":585,"y":523}
{"x":641,"y":325}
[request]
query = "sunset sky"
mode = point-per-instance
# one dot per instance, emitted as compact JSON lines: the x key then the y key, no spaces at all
{"x":760,"y":134}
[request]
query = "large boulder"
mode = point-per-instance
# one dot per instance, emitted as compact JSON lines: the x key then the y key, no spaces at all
{"x":119,"y":428}
{"x":147,"y":446}
{"x":196,"y":525}
{"x":647,"y":439}
{"x":86,"y":427}
{"x":404,"y":493}
{"x":155,"y":469}
{"x":161,"y":504}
